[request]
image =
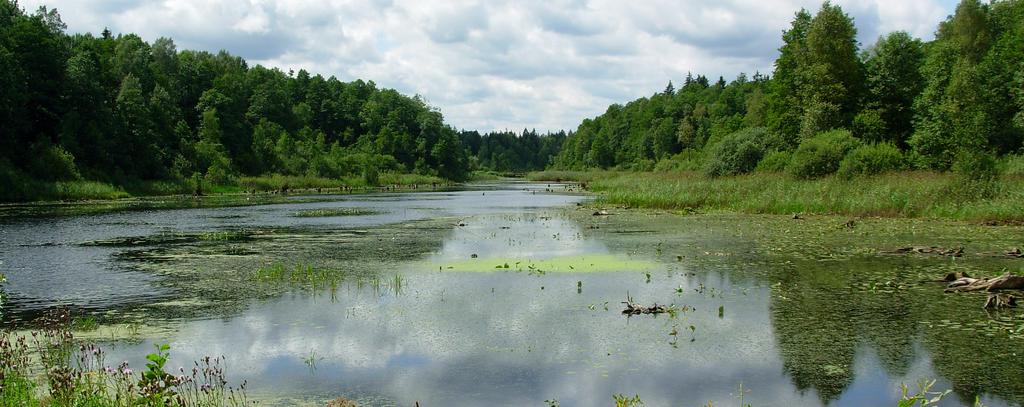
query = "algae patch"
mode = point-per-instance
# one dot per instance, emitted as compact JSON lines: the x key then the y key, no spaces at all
{"x":585,"y":263}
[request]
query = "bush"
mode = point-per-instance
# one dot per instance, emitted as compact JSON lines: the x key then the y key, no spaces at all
{"x":820,"y":155}
{"x":642,"y":165}
{"x":53,"y":163}
{"x":977,"y":175}
{"x":872,"y":159}
{"x":774,"y":161}
{"x":737,"y":153}
{"x":869,"y":125}
{"x":687,"y":160}
{"x":1013,"y":165}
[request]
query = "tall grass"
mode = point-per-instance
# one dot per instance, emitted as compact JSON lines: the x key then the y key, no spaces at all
{"x":899,"y":194}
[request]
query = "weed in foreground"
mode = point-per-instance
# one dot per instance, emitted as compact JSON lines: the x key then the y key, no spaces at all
{"x":49,"y":368}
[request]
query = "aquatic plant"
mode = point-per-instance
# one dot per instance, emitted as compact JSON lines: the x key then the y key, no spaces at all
{"x":223,"y":236}
{"x":86,"y":323}
{"x":3,"y":280}
{"x":626,"y":401}
{"x":300,"y":274}
{"x":923,"y":397}
{"x":310,"y":360}
{"x":45,"y":367}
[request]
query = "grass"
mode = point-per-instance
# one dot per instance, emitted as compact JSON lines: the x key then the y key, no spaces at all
{"x":335,"y":212}
{"x":85,"y":324}
{"x":910,"y":194}
{"x":21,"y":188}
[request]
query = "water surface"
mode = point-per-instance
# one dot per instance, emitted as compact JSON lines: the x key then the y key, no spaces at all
{"x":509,"y":294}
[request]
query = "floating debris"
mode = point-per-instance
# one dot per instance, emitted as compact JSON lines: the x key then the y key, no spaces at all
{"x":633,"y":308}
{"x":997,"y":301}
{"x":951,"y":252}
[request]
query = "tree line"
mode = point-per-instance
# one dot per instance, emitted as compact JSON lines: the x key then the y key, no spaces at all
{"x":508,"y":152}
{"x":899,"y":103}
{"x":116,"y":109}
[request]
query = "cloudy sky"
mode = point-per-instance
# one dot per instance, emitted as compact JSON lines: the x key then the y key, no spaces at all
{"x":495,"y":64}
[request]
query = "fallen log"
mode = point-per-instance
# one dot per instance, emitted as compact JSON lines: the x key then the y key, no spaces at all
{"x":951,"y":252}
{"x":1003,"y":282}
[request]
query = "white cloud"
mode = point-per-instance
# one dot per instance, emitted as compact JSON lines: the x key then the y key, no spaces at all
{"x":495,"y":64}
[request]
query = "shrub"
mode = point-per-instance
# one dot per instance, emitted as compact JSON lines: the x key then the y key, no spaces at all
{"x":976,"y":165}
{"x":774,"y":161}
{"x":737,"y":153}
{"x":872,"y":159}
{"x":977,"y":175}
{"x":53,"y":163}
{"x":687,"y":160}
{"x":820,"y":155}
{"x":869,"y":125}
{"x":643,"y":165}
{"x":1013,"y":165}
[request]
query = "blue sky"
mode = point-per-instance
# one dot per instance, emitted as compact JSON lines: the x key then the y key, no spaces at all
{"x":496,"y":64}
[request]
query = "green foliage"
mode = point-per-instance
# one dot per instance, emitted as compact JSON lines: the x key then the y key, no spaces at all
{"x":626,"y":401}
{"x":737,"y":153}
{"x":924,"y":397}
{"x":774,"y":161}
{"x":898,"y":194}
{"x":820,"y":155}
{"x":976,"y":166}
{"x":868,"y":125}
{"x":687,"y":160}
{"x":962,"y":91}
{"x":871,"y":159}
{"x":1013,"y":165}
{"x":894,"y":80}
{"x":53,"y":163}
{"x":977,"y":176}
{"x":118,"y":110}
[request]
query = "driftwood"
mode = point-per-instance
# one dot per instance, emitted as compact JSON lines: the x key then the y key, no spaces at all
{"x":951,"y":252}
{"x":633,"y":308}
{"x":1003,"y":282}
{"x":951,"y":277}
{"x":996,"y":301}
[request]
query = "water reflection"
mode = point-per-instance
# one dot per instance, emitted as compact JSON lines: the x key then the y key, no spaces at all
{"x":791,"y":331}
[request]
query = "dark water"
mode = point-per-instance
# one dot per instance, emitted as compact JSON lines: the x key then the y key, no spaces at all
{"x":445,"y":328}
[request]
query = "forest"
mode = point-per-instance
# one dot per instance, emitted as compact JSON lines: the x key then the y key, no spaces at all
{"x":114,"y":109}
{"x":832,"y":106}
{"x":511,"y":153}
{"x":117,"y":110}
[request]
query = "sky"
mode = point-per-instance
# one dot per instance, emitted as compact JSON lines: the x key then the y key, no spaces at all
{"x":502,"y":64}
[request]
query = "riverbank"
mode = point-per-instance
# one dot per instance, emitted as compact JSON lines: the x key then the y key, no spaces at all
{"x":910,"y":194}
{"x":28,"y":190}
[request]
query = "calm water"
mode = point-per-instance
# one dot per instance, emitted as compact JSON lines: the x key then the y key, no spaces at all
{"x":443,"y":326}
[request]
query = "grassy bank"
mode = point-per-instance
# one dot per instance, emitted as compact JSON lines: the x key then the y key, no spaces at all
{"x":23,"y":189}
{"x":902,"y":194}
